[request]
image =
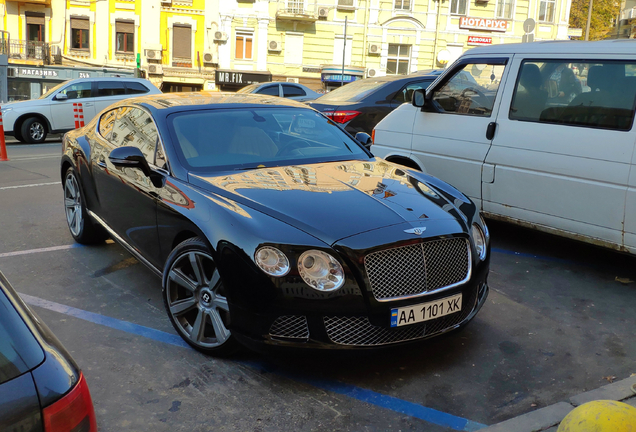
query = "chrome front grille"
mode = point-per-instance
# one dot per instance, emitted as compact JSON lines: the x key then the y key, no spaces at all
{"x":358,"y":331}
{"x":290,"y":327}
{"x":419,"y":268}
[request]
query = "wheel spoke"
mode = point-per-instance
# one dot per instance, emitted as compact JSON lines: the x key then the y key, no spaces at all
{"x":70,"y":187}
{"x":69,"y":202}
{"x":197,"y":267}
{"x":182,"y":306}
{"x":221,"y":303}
{"x":179,"y":278}
{"x":198,"y":328}
{"x":78,"y":221}
{"x":220,"y":331}
{"x":215,"y":279}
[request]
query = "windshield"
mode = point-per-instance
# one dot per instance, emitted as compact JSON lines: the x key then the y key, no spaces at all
{"x":353,"y":92}
{"x":250,"y":88}
{"x":51,"y":91}
{"x":259,"y":137}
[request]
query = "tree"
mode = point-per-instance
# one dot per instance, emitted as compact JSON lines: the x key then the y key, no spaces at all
{"x":604,"y":12}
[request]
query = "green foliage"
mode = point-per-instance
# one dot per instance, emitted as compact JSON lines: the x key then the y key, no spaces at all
{"x":603,"y":14}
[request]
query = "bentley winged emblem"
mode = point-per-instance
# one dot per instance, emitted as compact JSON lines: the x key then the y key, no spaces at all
{"x":416,"y":231}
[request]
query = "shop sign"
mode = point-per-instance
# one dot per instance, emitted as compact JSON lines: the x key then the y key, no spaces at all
{"x":339,"y":78}
{"x":37,"y":72}
{"x":311,"y":69}
{"x":479,"y":40}
{"x":239,"y":78}
{"x":483,"y":24}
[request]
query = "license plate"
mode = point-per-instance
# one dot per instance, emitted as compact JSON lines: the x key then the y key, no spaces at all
{"x":426,"y":311}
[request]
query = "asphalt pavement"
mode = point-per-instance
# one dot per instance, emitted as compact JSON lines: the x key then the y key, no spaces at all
{"x":558,"y":322}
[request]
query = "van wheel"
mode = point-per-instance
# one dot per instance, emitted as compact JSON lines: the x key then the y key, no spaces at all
{"x":33,"y":130}
{"x":406,"y":162}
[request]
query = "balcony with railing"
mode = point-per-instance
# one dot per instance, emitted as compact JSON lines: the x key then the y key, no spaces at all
{"x":26,"y":50}
{"x":297,"y":10}
{"x":627,"y":14}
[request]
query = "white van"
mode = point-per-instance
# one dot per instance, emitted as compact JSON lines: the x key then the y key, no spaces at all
{"x":543,"y":137}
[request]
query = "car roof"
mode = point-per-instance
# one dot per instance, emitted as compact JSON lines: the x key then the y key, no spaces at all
{"x":101,"y":79}
{"x":615,"y":46}
{"x":208,"y":99}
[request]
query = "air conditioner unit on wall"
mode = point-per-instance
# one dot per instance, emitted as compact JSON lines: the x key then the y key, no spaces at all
{"x":372,"y":72}
{"x":292,"y":80}
{"x":323,"y":12}
{"x":210,"y":57}
{"x":153,"y":54}
{"x":220,"y":36}
{"x":155,"y":69}
{"x":374,"y":48}
{"x":273,"y":46}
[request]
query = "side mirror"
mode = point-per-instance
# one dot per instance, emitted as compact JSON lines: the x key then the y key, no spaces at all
{"x":131,"y":157}
{"x":419,"y":98}
{"x":60,"y":97}
{"x":364,"y":139}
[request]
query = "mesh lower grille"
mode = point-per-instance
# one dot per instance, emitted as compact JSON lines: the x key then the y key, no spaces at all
{"x":359,"y":331}
{"x":419,"y":268}
{"x":290,"y":327}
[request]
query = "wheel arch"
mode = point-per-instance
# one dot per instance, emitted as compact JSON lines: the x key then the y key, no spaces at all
{"x":20,"y":120}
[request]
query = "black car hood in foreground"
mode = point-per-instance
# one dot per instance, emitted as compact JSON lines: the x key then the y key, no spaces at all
{"x":334,"y":200}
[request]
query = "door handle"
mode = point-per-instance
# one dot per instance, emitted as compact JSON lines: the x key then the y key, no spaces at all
{"x":490,"y":130}
{"x":101,"y":163}
{"x":88,"y":104}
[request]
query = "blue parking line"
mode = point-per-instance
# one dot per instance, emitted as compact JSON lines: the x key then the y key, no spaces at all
{"x":380,"y":400}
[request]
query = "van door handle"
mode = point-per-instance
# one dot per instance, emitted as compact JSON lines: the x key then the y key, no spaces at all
{"x":490,"y":130}
{"x":88,"y":104}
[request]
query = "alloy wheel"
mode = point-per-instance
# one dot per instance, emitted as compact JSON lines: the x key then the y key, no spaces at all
{"x":36,"y":131}
{"x":73,"y":205}
{"x":196,"y":299}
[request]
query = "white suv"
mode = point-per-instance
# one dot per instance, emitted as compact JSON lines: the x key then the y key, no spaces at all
{"x":30,"y":121}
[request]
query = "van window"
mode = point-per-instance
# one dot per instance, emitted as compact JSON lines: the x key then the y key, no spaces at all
{"x":598,"y":94}
{"x":471,"y":90}
{"x":136,"y":88}
{"x":78,"y":90}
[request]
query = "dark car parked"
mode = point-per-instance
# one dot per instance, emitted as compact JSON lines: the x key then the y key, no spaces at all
{"x":359,"y":106}
{"x":41,"y":387}
{"x":269,"y":225}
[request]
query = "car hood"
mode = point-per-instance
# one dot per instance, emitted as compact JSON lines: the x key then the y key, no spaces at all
{"x":27,"y":104}
{"x":334,"y":200}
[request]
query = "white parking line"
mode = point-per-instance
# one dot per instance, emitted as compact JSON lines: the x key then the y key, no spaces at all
{"x":30,"y":185}
{"x":35,"y":157}
{"x":32,"y":251}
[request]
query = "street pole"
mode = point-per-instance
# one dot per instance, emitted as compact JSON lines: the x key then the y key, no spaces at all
{"x":589,"y":18}
{"x":344,"y":53}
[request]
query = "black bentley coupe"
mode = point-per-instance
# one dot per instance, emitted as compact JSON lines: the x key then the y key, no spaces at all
{"x":271,"y":226}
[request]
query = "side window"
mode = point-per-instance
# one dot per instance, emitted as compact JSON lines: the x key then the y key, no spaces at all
{"x":471,"y":90}
{"x":106,"y":123}
{"x":290,"y":91}
{"x":134,"y":127}
{"x":78,"y":91}
{"x":136,"y":88}
{"x":271,"y":90}
{"x":110,"y":88}
{"x":406,"y":94}
{"x":592,"y":94}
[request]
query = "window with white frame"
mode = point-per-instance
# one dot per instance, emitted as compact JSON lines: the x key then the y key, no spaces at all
{"x":243,"y":46}
{"x":293,"y":49}
{"x":546,"y":10}
{"x":402,"y":5}
{"x":505,"y":8}
{"x":458,"y":7}
{"x":399,"y":60}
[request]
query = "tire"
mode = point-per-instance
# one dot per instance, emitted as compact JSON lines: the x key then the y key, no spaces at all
{"x":80,"y":224}
{"x":17,"y":134}
{"x":195,"y":299}
{"x":33,"y":130}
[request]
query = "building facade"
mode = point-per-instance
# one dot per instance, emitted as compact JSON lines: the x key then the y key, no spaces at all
{"x":186,"y":45}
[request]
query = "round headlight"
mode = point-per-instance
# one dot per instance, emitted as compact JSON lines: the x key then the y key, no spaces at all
{"x":480,"y":241}
{"x":272,"y":261}
{"x":320,"y":270}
